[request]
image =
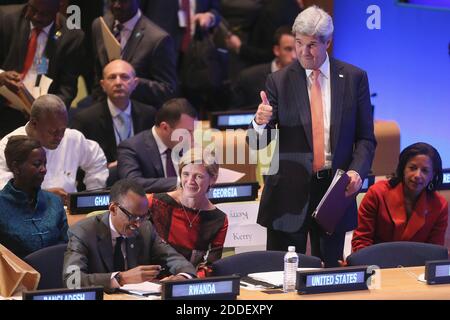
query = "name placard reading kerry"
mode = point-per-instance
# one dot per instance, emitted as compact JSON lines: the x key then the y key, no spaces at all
{"x":233,"y":192}
{"x":211,"y":288}
{"x":333,"y":280}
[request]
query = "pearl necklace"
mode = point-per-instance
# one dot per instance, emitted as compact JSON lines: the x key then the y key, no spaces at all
{"x":187,"y":217}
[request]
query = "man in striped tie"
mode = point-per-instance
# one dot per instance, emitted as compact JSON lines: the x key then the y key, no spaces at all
{"x":322,"y":109}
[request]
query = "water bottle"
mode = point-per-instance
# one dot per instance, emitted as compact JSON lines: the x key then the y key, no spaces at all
{"x":290,"y":270}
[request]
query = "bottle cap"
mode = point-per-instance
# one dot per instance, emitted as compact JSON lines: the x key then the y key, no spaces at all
{"x":291,"y":248}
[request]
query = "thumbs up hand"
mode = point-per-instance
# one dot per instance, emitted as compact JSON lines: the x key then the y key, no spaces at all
{"x":264,"y":112}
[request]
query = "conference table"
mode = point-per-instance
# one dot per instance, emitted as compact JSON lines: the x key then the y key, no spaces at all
{"x":395,"y":284}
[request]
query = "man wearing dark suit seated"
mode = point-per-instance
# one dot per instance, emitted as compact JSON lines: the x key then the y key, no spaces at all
{"x":121,"y":246}
{"x":34,"y":40}
{"x":147,"y":157}
{"x":147,"y":47}
{"x":251,"y":81}
{"x":118,"y":118}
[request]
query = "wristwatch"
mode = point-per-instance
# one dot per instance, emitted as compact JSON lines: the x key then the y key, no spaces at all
{"x":118,"y":278}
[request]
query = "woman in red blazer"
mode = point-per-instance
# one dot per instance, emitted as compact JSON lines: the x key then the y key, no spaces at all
{"x":406,"y":207}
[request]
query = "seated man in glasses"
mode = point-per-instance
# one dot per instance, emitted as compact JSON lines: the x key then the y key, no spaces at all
{"x":120,"y":246}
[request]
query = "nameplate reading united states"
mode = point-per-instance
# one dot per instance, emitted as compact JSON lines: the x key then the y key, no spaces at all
{"x":333,"y":280}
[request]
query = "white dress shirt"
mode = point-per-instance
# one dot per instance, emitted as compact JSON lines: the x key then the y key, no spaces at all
{"x":325,"y":86}
{"x":73,"y":152}
{"x":116,"y":122}
{"x":30,"y":78}
{"x":127,"y":29}
{"x":115,"y":234}
{"x":162,"y":148}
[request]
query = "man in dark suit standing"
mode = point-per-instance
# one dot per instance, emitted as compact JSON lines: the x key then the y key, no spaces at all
{"x":324,"y":117}
{"x":121,"y":246}
{"x":35,"y":41}
{"x":118,"y":118}
{"x":147,"y":47}
{"x":147,"y":157}
{"x":171,"y":16}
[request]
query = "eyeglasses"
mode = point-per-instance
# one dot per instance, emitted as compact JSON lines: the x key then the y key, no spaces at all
{"x":132,"y":218}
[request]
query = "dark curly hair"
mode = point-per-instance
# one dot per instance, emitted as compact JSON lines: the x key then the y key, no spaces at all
{"x":419,"y":148}
{"x":18,"y":148}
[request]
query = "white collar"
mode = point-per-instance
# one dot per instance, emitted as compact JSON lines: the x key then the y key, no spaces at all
{"x":130,"y":24}
{"x":274,"y":66}
{"x":116,"y":111}
{"x":46,"y":29}
{"x":161,"y":146}
{"x":324,"y":68}
{"x":114,"y":232}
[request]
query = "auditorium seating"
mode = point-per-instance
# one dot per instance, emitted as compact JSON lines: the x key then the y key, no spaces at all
{"x":399,"y":253}
{"x":258,"y":261}
{"x":49,"y":263}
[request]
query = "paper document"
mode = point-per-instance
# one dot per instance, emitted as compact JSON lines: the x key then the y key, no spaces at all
{"x":334,"y":204}
{"x":112,"y":46}
{"x":228,"y":176}
{"x":21,"y":101}
{"x":143,"y":288}
{"x":274,"y":277}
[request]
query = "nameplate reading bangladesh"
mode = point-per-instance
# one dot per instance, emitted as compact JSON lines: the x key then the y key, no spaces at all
{"x":91,"y":293}
{"x":333,"y":280}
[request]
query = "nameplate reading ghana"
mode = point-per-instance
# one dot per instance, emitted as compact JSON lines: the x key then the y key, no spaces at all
{"x":84,"y":202}
{"x":437,"y":272}
{"x":332,"y":280}
{"x":93,"y":201}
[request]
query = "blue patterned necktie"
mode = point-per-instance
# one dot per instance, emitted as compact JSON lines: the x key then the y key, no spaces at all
{"x":124,"y":127}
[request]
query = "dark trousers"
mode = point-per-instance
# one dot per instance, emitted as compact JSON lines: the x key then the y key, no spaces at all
{"x":328,"y":248}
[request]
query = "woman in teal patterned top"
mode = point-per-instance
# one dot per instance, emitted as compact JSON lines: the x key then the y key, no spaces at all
{"x":30,"y":218}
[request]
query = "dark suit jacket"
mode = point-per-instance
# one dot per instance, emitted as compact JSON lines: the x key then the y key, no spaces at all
{"x":138,"y":158}
{"x":150,"y":51}
{"x":382,"y":217}
{"x":64,"y":50}
{"x":274,"y":14}
{"x":284,"y":201}
{"x":250,"y":83}
{"x":90,"y":248}
{"x":165,"y":14}
{"x":96,"y":124}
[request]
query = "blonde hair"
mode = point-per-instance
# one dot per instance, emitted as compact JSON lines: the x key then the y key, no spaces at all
{"x":201,"y":156}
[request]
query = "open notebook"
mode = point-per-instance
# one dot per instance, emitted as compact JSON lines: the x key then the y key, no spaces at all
{"x":142,"y":289}
{"x":266,"y":280}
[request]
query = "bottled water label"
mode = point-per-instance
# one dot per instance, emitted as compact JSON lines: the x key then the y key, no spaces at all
{"x":290,"y":272}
